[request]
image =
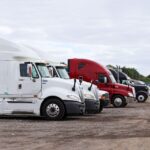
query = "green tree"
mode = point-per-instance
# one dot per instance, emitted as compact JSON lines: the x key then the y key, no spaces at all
{"x":133,"y":73}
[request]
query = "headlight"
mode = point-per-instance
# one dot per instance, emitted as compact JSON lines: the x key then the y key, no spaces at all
{"x":134,"y":94}
{"x":73,"y":97}
{"x":89,"y":96}
{"x":130,"y":94}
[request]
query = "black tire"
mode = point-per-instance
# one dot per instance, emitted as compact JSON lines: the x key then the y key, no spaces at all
{"x":125,"y":104}
{"x":141,"y":97}
{"x":53,"y":109}
{"x":119,"y":101}
{"x":101,"y":107}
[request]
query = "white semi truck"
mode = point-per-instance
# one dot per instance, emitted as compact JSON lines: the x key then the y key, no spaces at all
{"x":27,"y":88}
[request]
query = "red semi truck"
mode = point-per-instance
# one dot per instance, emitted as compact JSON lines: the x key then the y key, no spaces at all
{"x":120,"y":95}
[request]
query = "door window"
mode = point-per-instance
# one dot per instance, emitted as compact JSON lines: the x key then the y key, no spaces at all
{"x":43,"y":70}
{"x":102,"y":78}
{"x":23,"y":71}
{"x":34,"y":73}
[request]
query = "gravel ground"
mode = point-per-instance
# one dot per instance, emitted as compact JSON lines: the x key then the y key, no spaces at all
{"x":114,"y":129}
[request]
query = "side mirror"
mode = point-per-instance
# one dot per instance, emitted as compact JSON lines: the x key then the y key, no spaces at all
{"x":80,"y":79}
{"x":103,"y":80}
{"x":29,"y":70}
{"x":51,"y":71}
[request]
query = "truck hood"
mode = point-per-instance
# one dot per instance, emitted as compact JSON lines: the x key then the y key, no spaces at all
{"x":101,"y":92}
{"x":122,"y":86}
{"x":141,"y":87}
{"x":61,"y":86}
{"x":127,"y":88}
{"x":58,"y":82}
{"x":85,"y":85}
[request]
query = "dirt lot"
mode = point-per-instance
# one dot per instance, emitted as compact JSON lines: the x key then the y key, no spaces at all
{"x":114,"y":129}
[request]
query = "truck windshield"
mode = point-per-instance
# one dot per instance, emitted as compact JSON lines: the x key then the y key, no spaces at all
{"x":112,"y":78}
{"x":62,"y":72}
{"x":43,"y":70}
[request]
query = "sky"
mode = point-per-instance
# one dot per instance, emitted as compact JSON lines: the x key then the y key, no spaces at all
{"x":113,"y":32}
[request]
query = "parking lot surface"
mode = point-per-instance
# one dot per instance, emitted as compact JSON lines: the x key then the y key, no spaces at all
{"x":114,"y":129}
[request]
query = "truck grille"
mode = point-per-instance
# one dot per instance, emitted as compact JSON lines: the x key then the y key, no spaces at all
{"x":134,"y":94}
{"x":81,"y":94}
{"x":95,"y":93}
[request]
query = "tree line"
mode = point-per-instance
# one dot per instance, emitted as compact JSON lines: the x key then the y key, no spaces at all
{"x":133,"y":73}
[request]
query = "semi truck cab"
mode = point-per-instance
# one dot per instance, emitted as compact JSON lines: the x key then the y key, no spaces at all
{"x":26,"y":87}
{"x":141,"y":90}
{"x":120,"y":95}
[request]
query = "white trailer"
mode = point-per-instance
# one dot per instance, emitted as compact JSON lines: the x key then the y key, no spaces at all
{"x":26,"y":86}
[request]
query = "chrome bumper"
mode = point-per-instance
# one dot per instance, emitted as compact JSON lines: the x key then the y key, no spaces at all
{"x":130,"y":99}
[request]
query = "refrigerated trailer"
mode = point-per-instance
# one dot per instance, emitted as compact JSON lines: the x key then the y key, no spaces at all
{"x":27,"y":88}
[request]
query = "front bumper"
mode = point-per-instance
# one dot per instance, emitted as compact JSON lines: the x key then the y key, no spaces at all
{"x":74,"y":108}
{"x":130,"y":99}
{"x":92,"y":106}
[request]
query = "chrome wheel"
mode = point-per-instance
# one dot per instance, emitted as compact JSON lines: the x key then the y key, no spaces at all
{"x":141,"y":98}
{"x":118,"y":102}
{"x":52,"y":110}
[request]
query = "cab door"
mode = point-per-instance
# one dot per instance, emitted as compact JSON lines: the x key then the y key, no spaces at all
{"x":29,"y":86}
{"x":103,"y":83}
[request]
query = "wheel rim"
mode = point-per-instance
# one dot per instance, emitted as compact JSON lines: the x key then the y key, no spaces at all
{"x":118,"y":102}
{"x":141,"y":98}
{"x":52,"y":110}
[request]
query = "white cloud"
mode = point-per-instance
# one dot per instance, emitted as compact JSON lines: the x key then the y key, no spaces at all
{"x":108,"y":31}
{"x":4,"y":30}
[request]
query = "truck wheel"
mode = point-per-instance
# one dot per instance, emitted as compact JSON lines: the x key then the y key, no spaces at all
{"x":119,"y":101}
{"x":53,"y":109}
{"x":101,"y":107}
{"x":141,"y":97}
